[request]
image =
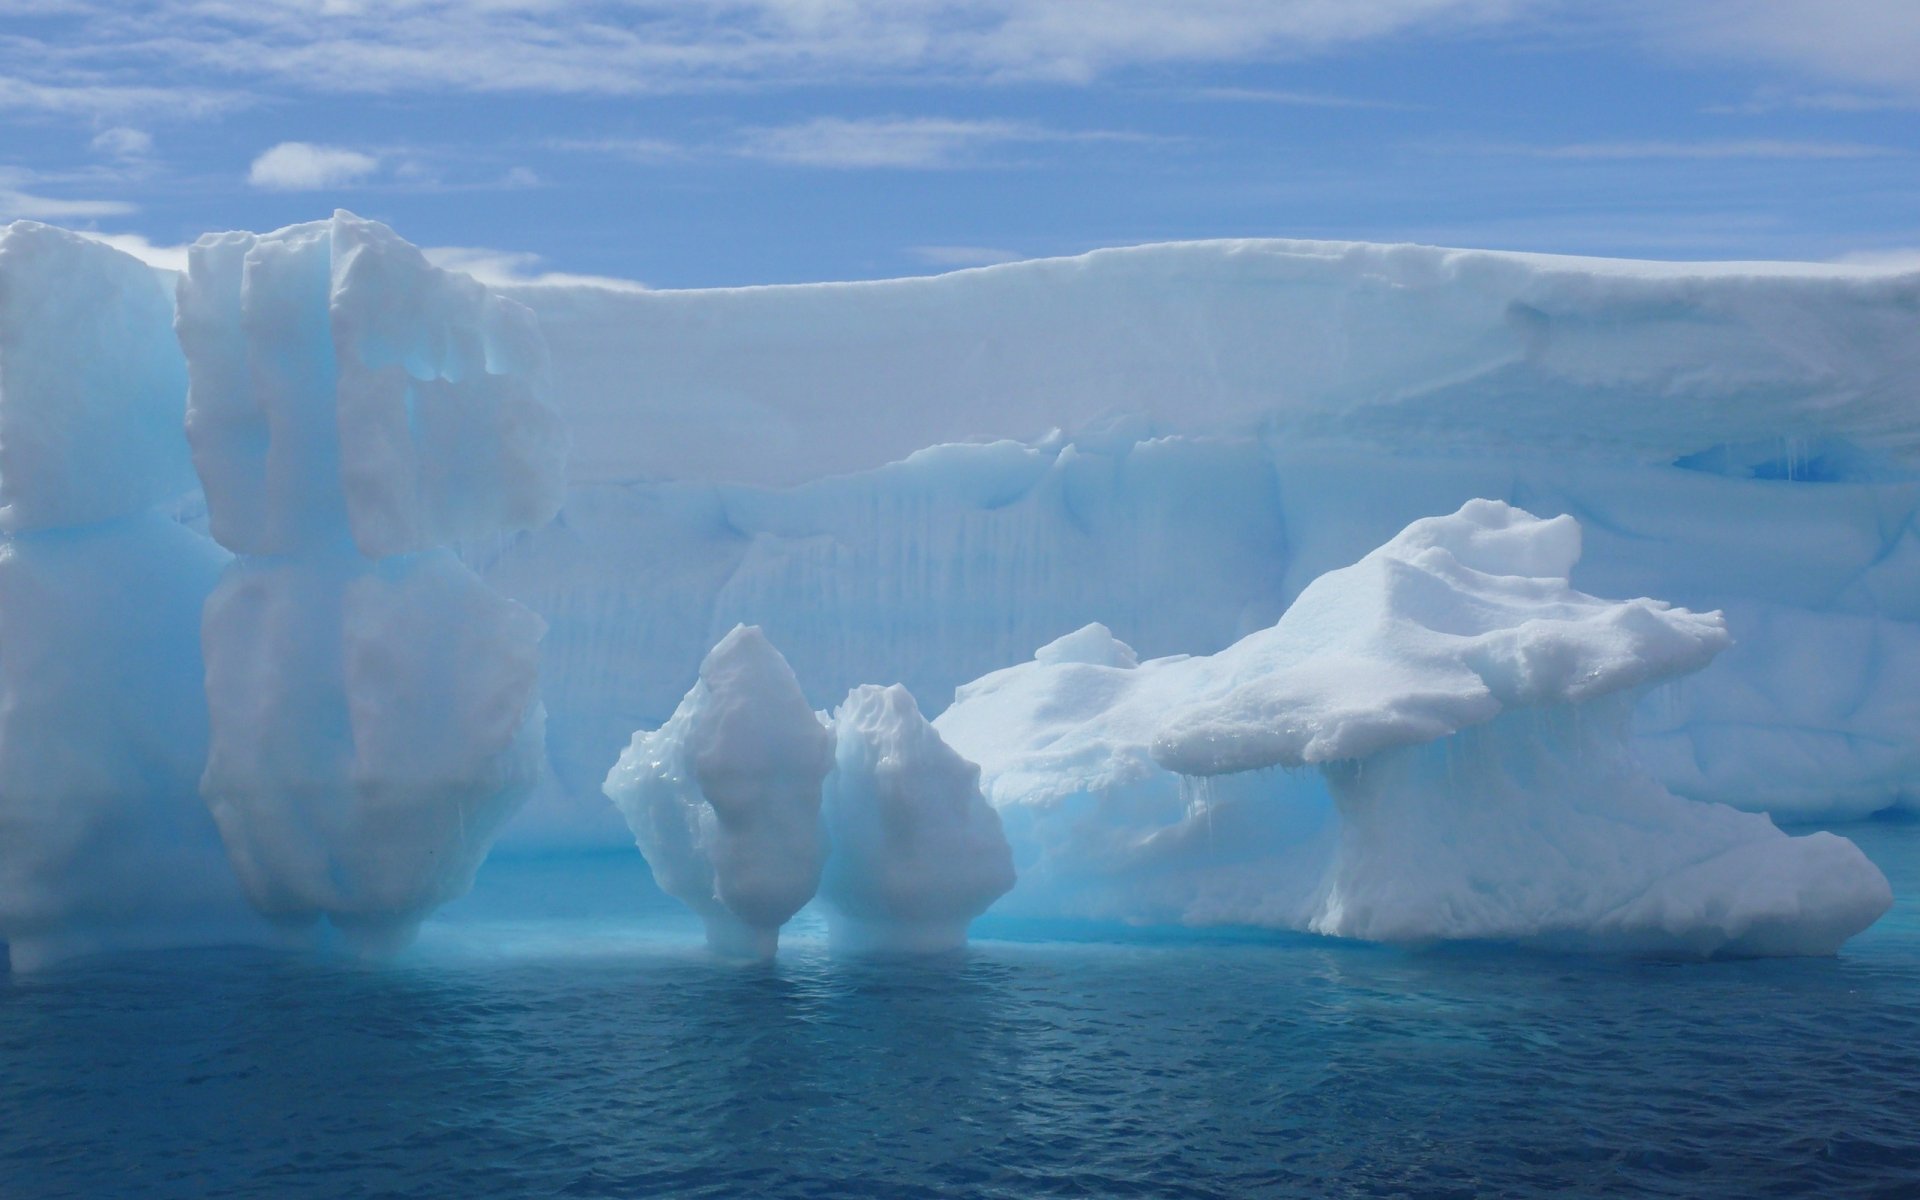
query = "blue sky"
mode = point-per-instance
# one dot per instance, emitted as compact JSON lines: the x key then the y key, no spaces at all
{"x":710,"y":142}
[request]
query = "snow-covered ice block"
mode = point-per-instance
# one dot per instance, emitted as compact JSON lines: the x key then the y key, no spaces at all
{"x":724,"y":799}
{"x":372,"y":727}
{"x":1539,"y":827}
{"x":1451,"y":623}
{"x":92,"y":384}
{"x":104,"y":843}
{"x":1469,"y":714}
{"x":918,"y":852}
{"x":342,"y":382}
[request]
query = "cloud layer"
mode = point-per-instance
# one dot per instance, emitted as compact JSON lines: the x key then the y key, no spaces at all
{"x":305,"y":167}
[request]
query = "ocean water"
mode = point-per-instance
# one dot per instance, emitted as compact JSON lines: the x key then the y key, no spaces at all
{"x":560,"y":1033}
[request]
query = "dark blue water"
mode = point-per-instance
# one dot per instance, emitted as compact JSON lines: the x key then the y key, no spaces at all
{"x":560,"y":1034}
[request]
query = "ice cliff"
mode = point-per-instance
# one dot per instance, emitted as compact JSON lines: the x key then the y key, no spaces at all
{"x":196,"y":747}
{"x":345,"y":693}
{"x":921,"y":480}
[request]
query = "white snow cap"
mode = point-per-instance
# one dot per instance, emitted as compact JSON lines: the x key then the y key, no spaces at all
{"x":338,"y":378}
{"x":724,"y":799}
{"x":92,"y":384}
{"x":917,"y":851}
{"x":1451,"y":623}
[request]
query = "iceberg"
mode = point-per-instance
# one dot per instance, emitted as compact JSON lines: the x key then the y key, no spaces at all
{"x":917,"y":851}
{"x":1465,"y":712}
{"x":724,"y":799}
{"x":374,"y":705}
{"x":427,"y":619}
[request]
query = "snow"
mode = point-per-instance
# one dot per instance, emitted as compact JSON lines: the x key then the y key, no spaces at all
{"x":1455,"y":621}
{"x":724,"y":799}
{"x":1468,"y":712}
{"x":917,"y":851}
{"x":1404,"y":345}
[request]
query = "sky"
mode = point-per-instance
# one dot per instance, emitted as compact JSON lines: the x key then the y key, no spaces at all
{"x":725,"y":142}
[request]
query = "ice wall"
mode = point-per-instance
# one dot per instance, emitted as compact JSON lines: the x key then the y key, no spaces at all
{"x":1197,"y":431}
{"x":103,"y":720}
{"x":375,"y":706}
{"x":921,"y":480}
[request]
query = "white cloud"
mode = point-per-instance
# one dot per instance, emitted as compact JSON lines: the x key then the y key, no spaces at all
{"x":1627,"y":151}
{"x":1290,"y":99}
{"x":1825,"y":102}
{"x":1862,"y":43}
{"x":1903,"y":259}
{"x":964,"y":256}
{"x":634,"y":46}
{"x":1749,"y":148}
{"x":18,"y":205}
{"x":645,"y":150}
{"x":304,"y":167}
{"x":912,"y":143}
{"x":172,"y":258}
{"x":507,"y":268}
{"x":108,"y":56}
{"x":96,"y":100}
{"x":123,"y":143}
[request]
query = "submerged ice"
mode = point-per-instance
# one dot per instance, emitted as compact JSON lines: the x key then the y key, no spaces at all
{"x":416,"y":603}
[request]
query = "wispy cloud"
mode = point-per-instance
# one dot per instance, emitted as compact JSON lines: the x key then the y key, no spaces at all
{"x":1748,"y":148}
{"x":305,"y":167}
{"x":1291,"y":99}
{"x":1861,"y":43}
{"x":1766,"y":104}
{"x":122,"y":143}
{"x":171,"y":258}
{"x":633,"y":149}
{"x":16,"y":205}
{"x":637,"y":46}
{"x":964,"y":256}
{"x":22,"y":198}
{"x":911,"y":143}
{"x":99,"y":101}
{"x":1628,"y":151}
{"x":1899,"y":258}
{"x":506,"y":268}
